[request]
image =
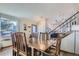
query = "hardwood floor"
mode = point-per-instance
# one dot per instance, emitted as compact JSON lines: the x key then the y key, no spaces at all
{"x":8,"y":52}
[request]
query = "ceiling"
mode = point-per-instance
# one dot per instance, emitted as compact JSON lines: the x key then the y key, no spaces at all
{"x":30,"y":10}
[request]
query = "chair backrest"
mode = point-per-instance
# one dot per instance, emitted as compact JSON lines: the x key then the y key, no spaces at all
{"x":55,"y":47}
{"x":13,"y":40}
{"x":44,"y":36}
{"x":19,"y":41}
{"x":34,"y":37}
{"x":57,"y":44}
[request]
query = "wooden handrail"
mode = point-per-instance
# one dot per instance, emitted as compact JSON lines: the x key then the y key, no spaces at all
{"x":65,"y":21}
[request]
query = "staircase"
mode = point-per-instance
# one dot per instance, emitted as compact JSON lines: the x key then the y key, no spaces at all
{"x":65,"y":28}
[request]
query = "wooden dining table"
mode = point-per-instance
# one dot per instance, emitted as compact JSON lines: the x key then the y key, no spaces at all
{"x":42,"y":44}
{"x":39,"y":45}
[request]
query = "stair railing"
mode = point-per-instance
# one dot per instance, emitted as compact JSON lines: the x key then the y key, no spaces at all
{"x":66,"y":26}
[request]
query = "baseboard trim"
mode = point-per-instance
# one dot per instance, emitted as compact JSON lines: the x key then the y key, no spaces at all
{"x":69,"y":52}
{"x":5,"y":47}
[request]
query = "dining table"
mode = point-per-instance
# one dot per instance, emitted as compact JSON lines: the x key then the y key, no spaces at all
{"x":39,"y":45}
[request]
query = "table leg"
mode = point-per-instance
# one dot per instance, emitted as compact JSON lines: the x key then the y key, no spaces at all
{"x":41,"y":54}
{"x":32,"y":51}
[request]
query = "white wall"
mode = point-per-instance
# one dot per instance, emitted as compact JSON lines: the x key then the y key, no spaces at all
{"x":41,"y":24}
{"x":28,"y":22}
{"x":77,"y":43}
{"x":69,"y":42}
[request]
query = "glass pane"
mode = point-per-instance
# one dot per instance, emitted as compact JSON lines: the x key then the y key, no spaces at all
{"x":7,"y":27}
{"x":34,"y":28}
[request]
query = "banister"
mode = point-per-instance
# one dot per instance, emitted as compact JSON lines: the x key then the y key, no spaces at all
{"x":65,"y":21}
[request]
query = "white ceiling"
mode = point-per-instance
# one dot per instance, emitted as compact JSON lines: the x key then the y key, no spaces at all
{"x":29,"y":10}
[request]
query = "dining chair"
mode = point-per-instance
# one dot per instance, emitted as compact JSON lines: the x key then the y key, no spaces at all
{"x":34,"y":40}
{"x":14,"y":44}
{"x":44,"y":36}
{"x":54,"y":49}
{"x":34,"y":37}
{"x":20,"y":47}
{"x":39,"y":52}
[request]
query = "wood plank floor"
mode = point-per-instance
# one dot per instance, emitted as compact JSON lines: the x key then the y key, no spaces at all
{"x":8,"y":52}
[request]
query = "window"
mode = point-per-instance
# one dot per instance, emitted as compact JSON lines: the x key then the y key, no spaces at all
{"x":75,"y":22}
{"x":7,"y":27}
{"x":34,"y":28}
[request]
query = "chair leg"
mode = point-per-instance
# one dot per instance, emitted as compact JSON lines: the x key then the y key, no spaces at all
{"x":29,"y":51}
{"x":14,"y":53}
